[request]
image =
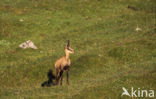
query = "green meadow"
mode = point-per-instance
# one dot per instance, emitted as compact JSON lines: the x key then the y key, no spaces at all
{"x":109,"y":52}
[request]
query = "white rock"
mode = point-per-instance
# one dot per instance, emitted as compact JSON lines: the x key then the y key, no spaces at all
{"x":138,"y":29}
{"x":28,"y":44}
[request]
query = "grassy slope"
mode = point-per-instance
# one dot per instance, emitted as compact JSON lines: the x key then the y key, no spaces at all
{"x":109,"y":53}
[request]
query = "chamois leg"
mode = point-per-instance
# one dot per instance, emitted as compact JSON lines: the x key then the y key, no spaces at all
{"x":61,"y":73}
{"x":67,"y":77}
{"x":57,"y":72}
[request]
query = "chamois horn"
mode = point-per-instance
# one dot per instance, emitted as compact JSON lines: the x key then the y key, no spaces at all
{"x":68,"y":43}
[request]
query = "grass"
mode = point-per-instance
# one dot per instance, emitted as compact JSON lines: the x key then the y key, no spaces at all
{"x":109,"y":53}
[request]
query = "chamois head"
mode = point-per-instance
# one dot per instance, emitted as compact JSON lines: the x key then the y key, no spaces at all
{"x":68,"y":49}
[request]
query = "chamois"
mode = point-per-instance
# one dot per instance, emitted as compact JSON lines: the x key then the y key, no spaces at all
{"x":63,"y":64}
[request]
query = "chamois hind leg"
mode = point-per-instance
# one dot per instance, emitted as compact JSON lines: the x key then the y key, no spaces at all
{"x":67,"y":77}
{"x":58,"y":78}
{"x":61,"y":75}
{"x":56,"y":75}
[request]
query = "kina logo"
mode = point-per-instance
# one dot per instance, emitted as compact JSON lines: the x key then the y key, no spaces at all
{"x":137,"y":92}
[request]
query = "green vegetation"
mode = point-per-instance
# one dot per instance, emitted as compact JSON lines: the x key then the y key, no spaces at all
{"x":109,"y":52}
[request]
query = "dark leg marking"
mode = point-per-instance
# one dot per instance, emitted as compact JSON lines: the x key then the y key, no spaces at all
{"x":66,"y":68}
